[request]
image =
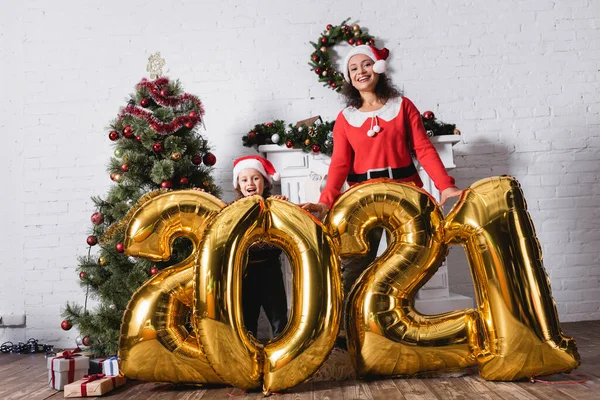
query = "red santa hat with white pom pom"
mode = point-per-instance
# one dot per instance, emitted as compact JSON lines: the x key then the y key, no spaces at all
{"x":260,"y":164}
{"x":377,"y":55}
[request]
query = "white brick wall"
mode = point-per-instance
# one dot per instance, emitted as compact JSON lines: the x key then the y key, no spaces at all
{"x":519,"y":78}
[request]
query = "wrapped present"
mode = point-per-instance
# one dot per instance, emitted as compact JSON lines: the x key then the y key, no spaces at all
{"x":110,"y":366}
{"x":96,"y":365}
{"x":93,"y":385}
{"x":66,"y":368}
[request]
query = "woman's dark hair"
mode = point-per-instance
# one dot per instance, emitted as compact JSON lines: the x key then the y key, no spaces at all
{"x":384,"y":90}
{"x":266,"y":190}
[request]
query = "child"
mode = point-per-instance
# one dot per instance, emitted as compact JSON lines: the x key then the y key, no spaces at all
{"x":262,"y":284}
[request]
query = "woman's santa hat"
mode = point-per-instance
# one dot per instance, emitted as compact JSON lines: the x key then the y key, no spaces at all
{"x":260,"y":164}
{"x":377,"y":55}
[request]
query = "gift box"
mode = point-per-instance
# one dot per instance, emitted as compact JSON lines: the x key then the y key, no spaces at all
{"x":93,"y":385}
{"x":110,"y":366}
{"x":77,"y":351}
{"x":66,"y":368}
{"x":96,"y":365}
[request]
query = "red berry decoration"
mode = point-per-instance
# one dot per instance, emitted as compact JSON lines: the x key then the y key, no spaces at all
{"x":428,"y":115}
{"x":120,"y":247}
{"x":81,"y":275}
{"x":333,"y":85}
{"x":289,"y":144}
{"x":318,"y":70}
{"x":193,"y":114}
{"x":153,"y":271}
{"x":138,"y":138}
{"x":164,"y":92}
{"x":124,"y":167}
{"x":184,"y":181}
{"x":166,"y":185}
{"x":197,"y":160}
{"x":86,"y":341}
{"x":316,"y":149}
{"x":157,"y":147}
{"x":92,"y":240}
{"x":66,"y":325}
{"x":145,"y":102}
{"x":351,"y":41}
{"x":324,"y":40}
{"x":209,"y":159}
{"x":315,"y":58}
{"x":97,"y":218}
{"x":113,"y":135}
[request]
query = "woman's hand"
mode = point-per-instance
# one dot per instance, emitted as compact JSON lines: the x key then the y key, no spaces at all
{"x":320,"y":208}
{"x":449,"y":192}
{"x":279,"y":196}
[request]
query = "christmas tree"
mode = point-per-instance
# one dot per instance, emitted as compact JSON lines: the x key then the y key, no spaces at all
{"x":157,"y":148}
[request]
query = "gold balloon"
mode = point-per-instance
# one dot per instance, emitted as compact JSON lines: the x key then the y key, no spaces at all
{"x":314,"y":321}
{"x":386,"y":335}
{"x":157,"y":342}
{"x":522,"y":337}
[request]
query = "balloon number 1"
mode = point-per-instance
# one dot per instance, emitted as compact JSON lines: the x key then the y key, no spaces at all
{"x":514,"y":333}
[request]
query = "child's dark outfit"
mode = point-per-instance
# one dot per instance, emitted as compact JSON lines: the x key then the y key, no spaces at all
{"x":262,"y":285}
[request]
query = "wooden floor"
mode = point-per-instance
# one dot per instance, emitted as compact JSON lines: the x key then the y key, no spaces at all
{"x":25,"y":377}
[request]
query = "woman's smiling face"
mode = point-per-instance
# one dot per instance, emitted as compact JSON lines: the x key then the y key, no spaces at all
{"x":360,"y":68}
{"x":251,"y":182}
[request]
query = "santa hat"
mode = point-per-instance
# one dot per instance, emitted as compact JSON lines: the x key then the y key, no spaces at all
{"x":377,"y":55}
{"x":260,"y":164}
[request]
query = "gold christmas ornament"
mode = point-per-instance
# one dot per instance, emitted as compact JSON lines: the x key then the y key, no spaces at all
{"x":323,"y":49}
{"x":307,"y":142}
{"x":155,"y":65}
{"x":456,"y":132}
{"x":355,"y":27}
{"x":176,"y":156}
{"x":101,"y":261}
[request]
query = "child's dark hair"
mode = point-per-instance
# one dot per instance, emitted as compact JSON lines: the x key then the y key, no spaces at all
{"x":384,"y":90}
{"x":266,"y":190}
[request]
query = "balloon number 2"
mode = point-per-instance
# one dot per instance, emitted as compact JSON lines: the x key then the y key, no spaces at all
{"x":514,"y":333}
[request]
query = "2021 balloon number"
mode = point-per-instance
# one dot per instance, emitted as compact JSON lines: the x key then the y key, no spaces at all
{"x":513,"y":334}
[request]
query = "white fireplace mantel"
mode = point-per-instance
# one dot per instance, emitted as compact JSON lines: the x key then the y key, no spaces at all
{"x":302,"y":177}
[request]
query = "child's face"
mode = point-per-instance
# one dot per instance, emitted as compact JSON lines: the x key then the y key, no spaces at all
{"x":251,"y":182}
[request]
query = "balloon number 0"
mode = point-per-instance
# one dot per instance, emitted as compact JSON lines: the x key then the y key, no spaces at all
{"x":185,"y":324}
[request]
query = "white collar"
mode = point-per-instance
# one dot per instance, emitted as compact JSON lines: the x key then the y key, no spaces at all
{"x":388,"y":112}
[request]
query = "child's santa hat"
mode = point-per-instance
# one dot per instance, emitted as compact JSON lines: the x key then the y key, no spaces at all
{"x":377,"y":55}
{"x":260,"y":164}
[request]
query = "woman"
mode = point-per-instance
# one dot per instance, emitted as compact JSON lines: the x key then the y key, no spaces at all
{"x":373,"y":138}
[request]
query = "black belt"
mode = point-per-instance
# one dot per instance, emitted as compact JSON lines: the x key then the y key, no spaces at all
{"x":393,"y":173}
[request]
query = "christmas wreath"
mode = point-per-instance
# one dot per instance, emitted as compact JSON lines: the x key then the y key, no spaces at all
{"x":321,"y":62}
{"x":313,"y":138}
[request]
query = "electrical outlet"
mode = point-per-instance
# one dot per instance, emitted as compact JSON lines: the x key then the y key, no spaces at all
{"x":12,"y":320}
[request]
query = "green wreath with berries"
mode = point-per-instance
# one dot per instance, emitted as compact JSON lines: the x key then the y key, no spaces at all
{"x":316,"y":138}
{"x":320,"y":59}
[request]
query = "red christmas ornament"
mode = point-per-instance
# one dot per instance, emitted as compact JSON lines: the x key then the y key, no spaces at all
{"x":81,"y":275}
{"x":86,"y":341}
{"x":127,"y":130}
{"x":360,"y":42}
{"x":97,"y":218}
{"x":371,"y":42}
{"x":66,"y":325}
{"x":269,"y":124}
{"x":329,"y":26}
{"x":138,"y":138}
{"x":153,"y":271}
{"x":209,"y":159}
{"x":334,"y":85}
{"x":189,"y":124}
{"x":120,"y":247}
{"x":145,"y":102}
{"x":351,"y":41}
{"x":318,"y":70}
{"x":316,"y":148}
{"x":251,"y":135}
{"x":197,"y":160}
{"x":124,"y":167}
{"x":193,"y":114}
{"x":157,"y":147}
{"x":164,"y":92}
{"x":166,"y":185}
{"x":324,"y":40}
{"x":315,"y":58}
{"x":184,"y":181}
{"x":115,"y":177}
{"x":289,"y":144}
{"x":428,"y":115}
{"x":113,"y":135}
{"x":92,"y":240}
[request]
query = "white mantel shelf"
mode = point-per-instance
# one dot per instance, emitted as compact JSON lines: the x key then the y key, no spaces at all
{"x":301,"y":180}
